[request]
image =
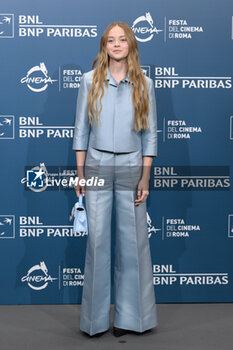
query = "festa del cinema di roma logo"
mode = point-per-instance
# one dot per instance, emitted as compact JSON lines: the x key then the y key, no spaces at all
{"x":144,"y":29}
{"x":37,"y":78}
{"x":38,"y":277}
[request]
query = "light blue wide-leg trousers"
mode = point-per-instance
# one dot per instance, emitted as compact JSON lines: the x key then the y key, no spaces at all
{"x":135,"y":302}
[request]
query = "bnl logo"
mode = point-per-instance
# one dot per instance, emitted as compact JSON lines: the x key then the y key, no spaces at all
{"x":36,"y":178}
{"x":230,"y":226}
{"x":7,"y":226}
{"x":7,"y":127}
{"x":146,"y":70}
{"x":6,"y":25}
{"x":231,"y":127}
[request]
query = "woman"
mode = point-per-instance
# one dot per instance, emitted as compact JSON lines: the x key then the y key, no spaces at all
{"x":116,"y":124}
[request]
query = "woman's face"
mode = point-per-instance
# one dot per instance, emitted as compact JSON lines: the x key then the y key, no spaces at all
{"x":117,"y":45}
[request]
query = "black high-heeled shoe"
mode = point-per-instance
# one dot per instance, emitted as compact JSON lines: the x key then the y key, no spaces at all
{"x":118,"y":332}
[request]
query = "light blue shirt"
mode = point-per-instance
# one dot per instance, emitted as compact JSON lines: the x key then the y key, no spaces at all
{"x":115,"y":133}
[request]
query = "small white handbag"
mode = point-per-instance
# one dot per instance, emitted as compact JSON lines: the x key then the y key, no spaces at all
{"x":79,"y":216}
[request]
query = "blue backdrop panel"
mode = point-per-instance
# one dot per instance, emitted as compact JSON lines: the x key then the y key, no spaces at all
{"x":186,"y":48}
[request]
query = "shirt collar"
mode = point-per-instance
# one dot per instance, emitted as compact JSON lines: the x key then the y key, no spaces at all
{"x":113,"y":81}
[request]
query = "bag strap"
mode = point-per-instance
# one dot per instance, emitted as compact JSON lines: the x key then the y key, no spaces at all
{"x":80,"y":199}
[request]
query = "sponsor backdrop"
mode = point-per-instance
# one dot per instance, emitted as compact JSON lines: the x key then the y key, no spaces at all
{"x":186,"y":48}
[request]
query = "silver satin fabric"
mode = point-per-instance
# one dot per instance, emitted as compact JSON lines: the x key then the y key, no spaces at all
{"x":116,"y":131}
{"x":135,"y":303}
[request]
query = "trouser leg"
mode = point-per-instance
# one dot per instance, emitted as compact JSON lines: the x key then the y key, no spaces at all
{"x":135,"y":304}
{"x":95,"y":307}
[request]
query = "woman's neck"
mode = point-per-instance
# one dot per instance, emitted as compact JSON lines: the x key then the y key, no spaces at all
{"x":118,"y":69}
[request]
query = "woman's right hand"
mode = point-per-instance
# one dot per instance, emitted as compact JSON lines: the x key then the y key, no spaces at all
{"x":79,"y":188}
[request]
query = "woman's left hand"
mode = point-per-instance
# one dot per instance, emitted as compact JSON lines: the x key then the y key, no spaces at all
{"x":142,"y":191}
